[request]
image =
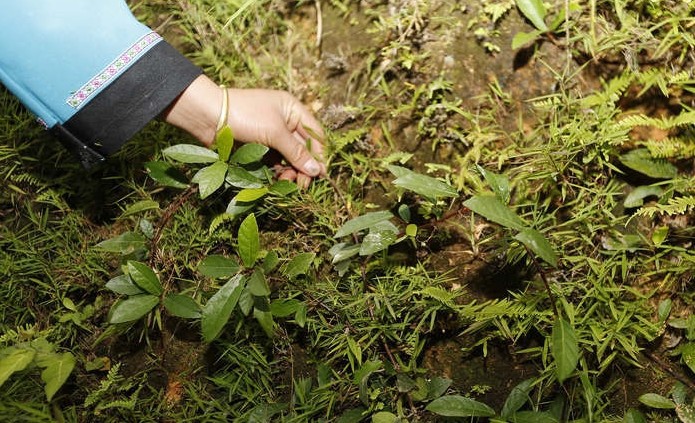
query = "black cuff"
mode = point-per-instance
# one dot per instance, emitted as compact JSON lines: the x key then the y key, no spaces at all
{"x":124,"y":107}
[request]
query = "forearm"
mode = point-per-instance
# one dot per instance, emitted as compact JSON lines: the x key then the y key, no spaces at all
{"x":197,"y":109}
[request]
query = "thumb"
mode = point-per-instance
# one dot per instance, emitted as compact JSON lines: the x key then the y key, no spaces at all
{"x":294,"y":148}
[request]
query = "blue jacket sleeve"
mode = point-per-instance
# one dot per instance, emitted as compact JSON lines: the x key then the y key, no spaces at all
{"x":88,"y":70}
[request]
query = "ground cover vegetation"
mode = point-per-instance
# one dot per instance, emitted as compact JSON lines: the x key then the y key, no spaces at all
{"x":506,"y":232}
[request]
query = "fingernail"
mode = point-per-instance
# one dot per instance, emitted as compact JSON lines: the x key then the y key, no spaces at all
{"x":312,"y":167}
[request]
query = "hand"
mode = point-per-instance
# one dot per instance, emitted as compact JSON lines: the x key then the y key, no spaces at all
{"x":277,"y":119}
{"x":273,"y":118}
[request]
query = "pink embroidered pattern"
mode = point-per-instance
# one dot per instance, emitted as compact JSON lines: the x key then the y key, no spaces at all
{"x":114,"y":68}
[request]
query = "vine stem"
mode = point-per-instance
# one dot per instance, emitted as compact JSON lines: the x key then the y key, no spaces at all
{"x":553,"y":300}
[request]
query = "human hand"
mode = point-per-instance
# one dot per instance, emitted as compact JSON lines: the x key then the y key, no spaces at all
{"x":270,"y":117}
{"x":278,"y":120}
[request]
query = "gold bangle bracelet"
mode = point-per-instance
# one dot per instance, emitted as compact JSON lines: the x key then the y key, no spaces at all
{"x":225,"y":108}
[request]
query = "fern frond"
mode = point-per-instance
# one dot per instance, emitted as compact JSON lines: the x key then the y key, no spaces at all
{"x":675,"y":206}
{"x":639,"y":119}
{"x":671,"y":148}
{"x":611,"y":91}
{"x":219,"y":220}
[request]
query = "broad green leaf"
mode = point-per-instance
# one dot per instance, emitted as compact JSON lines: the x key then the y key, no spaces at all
{"x":249,"y":242}
{"x":374,"y":242}
{"x":424,"y":185}
{"x":139,"y":207}
{"x":528,"y":416}
{"x":123,"y":285}
{"x":384,"y":417}
{"x":283,"y":188}
{"x":15,"y":361}
{"x":299,"y":265}
{"x":688,"y":355}
{"x":536,"y":242}
{"x":664,"y":309}
{"x":404,"y":212}
{"x":498,"y":183}
{"x":636,"y":197}
{"x":249,"y":153}
{"x":181,"y":305}
{"x":257,"y":284}
{"x":270,"y":262}
{"x":166,"y":174}
{"x":343,"y":251}
{"x":534,"y":12}
{"x":57,"y":369}
{"x":218,"y":266}
{"x":458,"y":406}
{"x":659,"y":235}
{"x":124,"y":244}
{"x":411,"y":230}
{"x":517,"y":398}
{"x":353,"y":415}
{"x":523,"y":38}
{"x":188,"y":153}
{"x":284,"y":308}
{"x":246,"y":301}
{"x":224,"y":140}
{"x":144,"y":277}
{"x":565,"y":349}
{"x":241,"y":178}
{"x":265,"y":319}
{"x":210,"y":178}
{"x":248,"y":195}
{"x":641,"y":161}
{"x":219,"y":307}
{"x":362,"y":222}
{"x":656,"y":401}
{"x":132,"y":308}
{"x":493,"y":209}
{"x":436,"y":387}
{"x":236,"y":209}
{"x":634,"y":416}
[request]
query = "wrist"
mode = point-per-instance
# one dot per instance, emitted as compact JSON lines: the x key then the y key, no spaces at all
{"x":197,"y":110}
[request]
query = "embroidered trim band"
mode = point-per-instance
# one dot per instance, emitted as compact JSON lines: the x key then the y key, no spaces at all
{"x":79,"y":97}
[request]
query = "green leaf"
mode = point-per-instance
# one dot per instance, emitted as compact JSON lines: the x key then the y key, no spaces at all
{"x":284,"y":308}
{"x":270,"y":262}
{"x":411,"y":230}
{"x":249,"y":153}
{"x":249,"y":242}
{"x":664,"y":309}
{"x":536,"y":242}
{"x":241,"y":178}
{"x":384,"y":417}
{"x":686,"y":413}
{"x":458,"y":406}
{"x":124,"y":244}
{"x":641,"y":161}
{"x":528,"y":416}
{"x":517,"y":398}
{"x":181,"y":305}
{"x":188,"y":153}
{"x":353,"y":415}
{"x":498,"y":183}
{"x":659,"y":235}
{"x":144,"y":277}
{"x":219,"y":307}
{"x":132,"y":308}
{"x":57,"y":369}
{"x":257,"y":284}
{"x":636,"y":197}
{"x":377,"y":241}
{"x":265,"y":319}
{"x":218,"y":266}
{"x":283,"y":188}
{"x":166,"y":174}
{"x":657,"y":401}
{"x":523,"y":38}
{"x":688,"y":355}
{"x":299,"y":265}
{"x":437,"y":386}
{"x":492,"y":208}
{"x":634,"y":416}
{"x":424,"y":185}
{"x":534,"y":12}
{"x":236,"y":209}
{"x":123,"y":285}
{"x":15,"y":361}
{"x":248,"y":195}
{"x":224,"y":140}
{"x":362,"y":222}
{"x":343,"y":251}
{"x":139,"y":207}
{"x":565,"y":349}
{"x":210,"y":178}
